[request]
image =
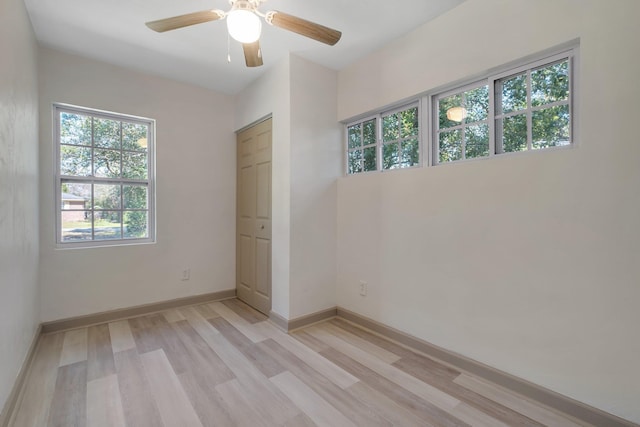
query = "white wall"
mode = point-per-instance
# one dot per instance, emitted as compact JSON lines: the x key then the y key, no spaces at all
{"x":19,"y":315}
{"x":195,"y":192}
{"x":271,"y":94}
{"x":527,"y":263}
{"x":316,"y":163}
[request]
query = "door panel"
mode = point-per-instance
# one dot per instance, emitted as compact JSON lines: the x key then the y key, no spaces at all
{"x":253,"y":242}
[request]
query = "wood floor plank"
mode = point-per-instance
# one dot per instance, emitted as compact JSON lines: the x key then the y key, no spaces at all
{"x":362,"y":344}
{"x":206,"y":311}
{"x":139,"y":407}
{"x":262,"y":360}
{"x":204,"y":363}
{"x":173,"y":315}
{"x":335,"y":374}
{"x":243,"y":310}
{"x":475,"y":417}
{"x":387,"y":408}
{"x":99,"y":352}
{"x":426,"y":391}
{"x":354,"y":409}
{"x":74,"y":348}
{"x":121,"y":337}
{"x":33,"y":408}
{"x":144,"y":335}
{"x":173,"y":348}
{"x":238,"y":322}
{"x":207,"y":402}
{"x":301,"y":420}
{"x":372,"y":337}
{"x":440,"y":377}
{"x":198,"y":323}
{"x":69,"y":404}
{"x":419,"y":407}
{"x":241,"y":409}
{"x":310,"y":341}
{"x":321,"y":412}
{"x":104,"y":406}
{"x":173,"y":403}
{"x":519,"y":404}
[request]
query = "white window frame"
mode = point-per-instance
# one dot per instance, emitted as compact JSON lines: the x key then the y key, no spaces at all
{"x":417,"y":103}
{"x":569,"y":54}
{"x":58,"y":108}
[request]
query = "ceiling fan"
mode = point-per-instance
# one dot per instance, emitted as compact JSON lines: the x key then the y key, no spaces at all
{"x":244,"y":25}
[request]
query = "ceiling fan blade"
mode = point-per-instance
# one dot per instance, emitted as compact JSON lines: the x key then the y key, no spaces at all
{"x":252,"y":54}
{"x":176,"y":22}
{"x":303,"y":27}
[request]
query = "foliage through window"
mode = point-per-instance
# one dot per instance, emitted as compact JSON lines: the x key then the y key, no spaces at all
{"x":387,"y":141}
{"x":104,"y":177}
{"x":531,"y":111}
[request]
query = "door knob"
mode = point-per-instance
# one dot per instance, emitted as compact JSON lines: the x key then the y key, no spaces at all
{"x":262,"y":227}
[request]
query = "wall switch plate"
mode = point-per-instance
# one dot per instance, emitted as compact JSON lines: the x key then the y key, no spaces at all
{"x":186,"y":274}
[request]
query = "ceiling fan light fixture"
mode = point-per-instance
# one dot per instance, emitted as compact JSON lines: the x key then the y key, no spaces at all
{"x":244,"y":25}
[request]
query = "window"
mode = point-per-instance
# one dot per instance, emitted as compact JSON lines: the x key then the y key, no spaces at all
{"x":104,"y":178}
{"x":522,"y":109}
{"x":393,"y":137}
{"x":463,"y":124}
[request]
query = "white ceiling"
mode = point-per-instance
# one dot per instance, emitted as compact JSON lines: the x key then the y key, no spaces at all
{"x":113,"y":31}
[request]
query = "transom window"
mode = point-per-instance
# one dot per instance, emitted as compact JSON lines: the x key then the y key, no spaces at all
{"x":390,"y":140}
{"x":522,"y":109}
{"x":103,"y":178}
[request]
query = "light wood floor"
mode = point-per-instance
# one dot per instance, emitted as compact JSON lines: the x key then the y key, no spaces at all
{"x":224,"y":364}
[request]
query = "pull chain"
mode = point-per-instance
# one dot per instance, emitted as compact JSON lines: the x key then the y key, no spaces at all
{"x":228,"y":48}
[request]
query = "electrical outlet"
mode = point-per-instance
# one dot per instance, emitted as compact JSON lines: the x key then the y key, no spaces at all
{"x":186,"y":274}
{"x":363,"y":288}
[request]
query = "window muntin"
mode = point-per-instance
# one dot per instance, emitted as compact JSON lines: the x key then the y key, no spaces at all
{"x":400,"y":139}
{"x":462,"y":127}
{"x":533,"y":109}
{"x":362,"y":150}
{"x":390,"y":140}
{"x":103,"y":178}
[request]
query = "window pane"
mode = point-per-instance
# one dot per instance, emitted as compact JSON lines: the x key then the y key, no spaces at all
{"x":107,"y":225}
{"x":409,"y":122}
{"x":477,"y":141}
{"x":450,"y":146}
{"x":135,"y":197}
{"x":410,"y":153}
{"x":76,"y":225}
{"x":134,"y":165}
{"x":134,"y":136}
{"x":75,"y":161}
{"x":75,"y":196}
{"x":107,"y":163}
{"x":370,"y":159}
{"x":136,"y":225}
{"x":369,"y":132}
{"x":551,"y":127}
{"x":390,"y":127}
{"x":106,"y":133}
{"x":75,"y":129}
{"x":106,"y":196}
{"x":550,"y":84}
{"x":355,"y":161}
{"x":477,"y":104}
{"x":354,"y":136}
{"x":514,"y":135}
{"x":514,"y":93}
{"x":446,"y":104}
{"x":390,"y":156}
